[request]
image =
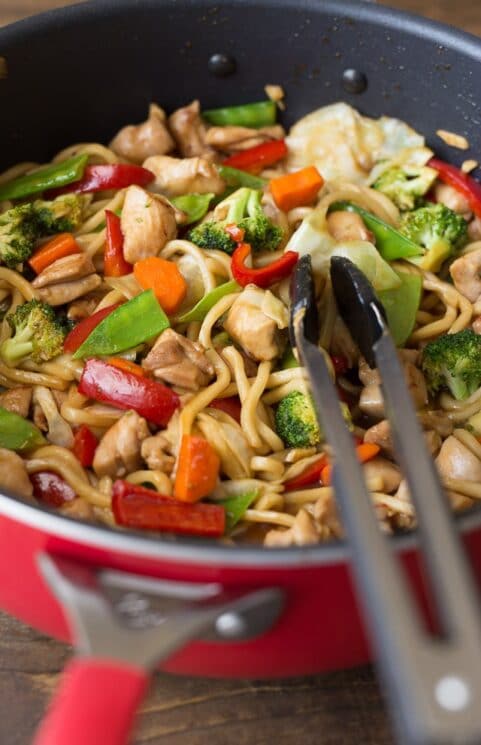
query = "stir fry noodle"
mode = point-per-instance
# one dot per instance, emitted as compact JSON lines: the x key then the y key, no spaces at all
{"x":146,"y":376}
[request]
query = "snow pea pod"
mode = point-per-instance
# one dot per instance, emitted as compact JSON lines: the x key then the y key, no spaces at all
{"x":205,"y":304}
{"x":235,"y":507}
{"x":51,"y":177}
{"x":401,"y":305}
{"x":132,"y":323}
{"x":259,"y":114}
{"x":195,"y":206}
{"x":390,"y":243}
{"x":16,"y":433}
{"x":236,"y":178}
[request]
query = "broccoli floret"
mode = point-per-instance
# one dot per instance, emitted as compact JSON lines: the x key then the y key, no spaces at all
{"x":62,"y":215}
{"x":296,"y":422}
{"x":18,"y":232}
{"x":437,"y":229}
{"x":405,"y":186}
{"x":453,"y":361}
{"x":38,"y":334}
{"x":242,"y":208}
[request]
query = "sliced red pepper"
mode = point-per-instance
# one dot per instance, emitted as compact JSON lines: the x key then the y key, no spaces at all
{"x":231,"y":406}
{"x":339,"y":364}
{"x":79,"y":333}
{"x":312,"y":475}
{"x":138,"y":507}
{"x":114,"y":262}
{"x":264,"y":276}
{"x":237,"y":234}
{"x":106,"y":177}
{"x":460,"y":181}
{"x":84,"y":446}
{"x":254,"y":159}
{"x":51,"y":489}
{"x":122,"y":389}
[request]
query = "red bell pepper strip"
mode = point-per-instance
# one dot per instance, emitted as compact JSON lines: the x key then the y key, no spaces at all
{"x":256,"y":158}
{"x":114,"y":262}
{"x":106,"y":177}
{"x":264,"y":276}
{"x":138,"y":507}
{"x":122,"y":389}
{"x":51,"y":489}
{"x":84,"y":446}
{"x":312,"y":475}
{"x":79,"y":333}
{"x":460,"y":181}
{"x":231,"y":406}
{"x":339,"y":364}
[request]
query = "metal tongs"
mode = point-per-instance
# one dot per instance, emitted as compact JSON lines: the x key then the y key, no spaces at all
{"x":433,"y":682}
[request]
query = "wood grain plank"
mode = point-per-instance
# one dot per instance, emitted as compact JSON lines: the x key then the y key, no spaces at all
{"x":340,"y":708}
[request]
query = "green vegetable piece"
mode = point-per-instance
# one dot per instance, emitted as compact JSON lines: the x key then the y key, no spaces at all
{"x":289,"y":360}
{"x":222,"y":339}
{"x":16,"y":433}
{"x":439,"y":230}
{"x":259,"y":114}
{"x":406,"y":185}
{"x":37,"y":333}
{"x":62,"y":215}
{"x":296,"y":421}
{"x":453,"y":362}
{"x":244,"y":209}
{"x":51,"y":177}
{"x":236,"y":178}
{"x":18,"y":233}
{"x":195,"y":206}
{"x":235,"y":508}
{"x":205,"y":304}
{"x":390,"y":243}
{"x":401,"y":305}
{"x":132,"y":323}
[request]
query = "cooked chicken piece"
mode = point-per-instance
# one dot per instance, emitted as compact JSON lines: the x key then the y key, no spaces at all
{"x":59,"y":432}
{"x":118,"y":452}
{"x":416,"y":385}
{"x":137,"y":142}
{"x":367,"y":375}
{"x":254,"y":322}
{"x":380,"y":434}
{"x":179,"y":361}
{"x":476,"y":325}
{"x":466,"y":274}
{"x":17,"y":400}
{"x":189,"y":130}
{"x":474,"y":229}
{"x":384,"y":469}
{"x":452,"y":198}
{"x":148,"y":223}
{"x":83,"y":308}
{"x":176,"y":176}
{"x":78,"y":509}
{"x":65,"y":292}
{"x":371,"y":401}
{"x":67,"y":269}
{"x":13,"y":475}
{"x":456,"y":461}
{"x":154,"y":451}
{"x":231,"y":139}
{"x":302,"y":533}
{"x":348,"y":226}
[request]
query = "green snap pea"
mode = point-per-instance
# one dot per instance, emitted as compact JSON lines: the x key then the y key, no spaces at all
{"x":51,"y":177}
{"x":258,"y":114}
{"x":205,"y":304}
{"x":195,"y":206}
{"x":16,"y":433}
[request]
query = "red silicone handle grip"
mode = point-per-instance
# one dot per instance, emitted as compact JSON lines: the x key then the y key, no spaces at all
{"x":96,"y":703}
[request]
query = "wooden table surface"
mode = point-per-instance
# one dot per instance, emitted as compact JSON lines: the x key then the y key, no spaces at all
{"x":340,"y":708}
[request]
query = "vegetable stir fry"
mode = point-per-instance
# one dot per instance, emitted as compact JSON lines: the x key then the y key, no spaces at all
{"x":146,"y":377}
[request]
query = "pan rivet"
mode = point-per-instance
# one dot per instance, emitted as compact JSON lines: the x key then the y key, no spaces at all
{"x":230,"y":625}
{"x":221,"y":65}
{"x":354,"y":81}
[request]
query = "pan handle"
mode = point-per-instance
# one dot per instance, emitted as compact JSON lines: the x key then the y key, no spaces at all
{"x":123,"y":626}
{"x":96,"y":703}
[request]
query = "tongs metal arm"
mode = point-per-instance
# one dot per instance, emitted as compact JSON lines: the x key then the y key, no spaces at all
{"x":434,"y":685}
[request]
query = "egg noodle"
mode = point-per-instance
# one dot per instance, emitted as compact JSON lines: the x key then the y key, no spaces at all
{"x":252,"y":451}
